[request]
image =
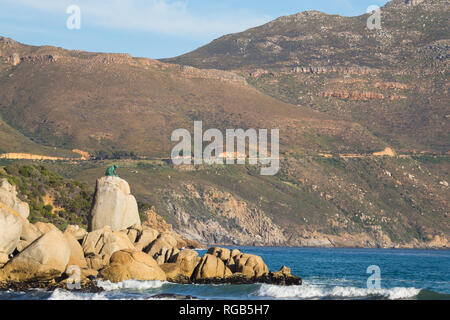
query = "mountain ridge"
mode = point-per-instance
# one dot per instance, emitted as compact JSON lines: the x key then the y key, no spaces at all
{"x":335,"y":64}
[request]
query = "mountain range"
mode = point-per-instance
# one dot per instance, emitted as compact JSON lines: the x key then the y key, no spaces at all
{"x":339,"y":93}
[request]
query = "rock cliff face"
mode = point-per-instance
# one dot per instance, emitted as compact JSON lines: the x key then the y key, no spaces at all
{"x":114,"y":205}
{"x":211,"y":216}
{"x":245,"y":225}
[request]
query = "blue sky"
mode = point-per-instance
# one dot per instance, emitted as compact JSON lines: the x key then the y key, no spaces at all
{"x":151,"y":28}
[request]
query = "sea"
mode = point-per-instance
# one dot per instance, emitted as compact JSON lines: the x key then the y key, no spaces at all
{"x":328,"y":274}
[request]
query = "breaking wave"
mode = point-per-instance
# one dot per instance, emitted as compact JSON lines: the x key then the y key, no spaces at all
{"x":310,"y":291}
{"x":130,"y":284}
{"x":60,"y":294}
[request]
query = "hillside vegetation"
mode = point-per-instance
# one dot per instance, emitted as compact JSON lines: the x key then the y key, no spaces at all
{"x":314,"y":201}
{"x":51,"y":197}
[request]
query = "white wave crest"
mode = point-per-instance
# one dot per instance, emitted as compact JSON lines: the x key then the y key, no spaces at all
{"x":130,"y":284}
{"x":309,"y":291}
{"x":60,"y":294}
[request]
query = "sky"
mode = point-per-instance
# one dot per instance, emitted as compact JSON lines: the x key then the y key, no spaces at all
{"x":149,"y":28}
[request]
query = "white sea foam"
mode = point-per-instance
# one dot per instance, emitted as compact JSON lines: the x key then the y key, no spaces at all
{"x":60,"y":294}
{"x":311,"y":291}
{"x":130,"y":284}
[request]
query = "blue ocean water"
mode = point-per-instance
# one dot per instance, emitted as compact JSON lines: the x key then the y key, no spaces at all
{"x":326,"y":273}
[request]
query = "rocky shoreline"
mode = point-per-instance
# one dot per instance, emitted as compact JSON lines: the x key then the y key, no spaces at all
{"x":116,"y":248}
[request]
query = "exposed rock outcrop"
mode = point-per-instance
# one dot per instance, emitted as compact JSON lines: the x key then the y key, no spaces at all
{"x":226,"y":76}
{"x":413,"y":2}
{"x":155,"y":221}
{"x":39,"y":58}
{"x":391,"y":85}
{"x":236,"y":268}
{"x":328,"y":69}
{"x":252,"y":225}
{"x":114,"y":205}
{"x":14,"y":59}
{"x":352,"y":95}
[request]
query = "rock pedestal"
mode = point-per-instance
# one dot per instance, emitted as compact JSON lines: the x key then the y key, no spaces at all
{"x":113,"y":206}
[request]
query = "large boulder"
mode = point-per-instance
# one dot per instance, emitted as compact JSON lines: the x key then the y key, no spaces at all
{"x":76,"y":252}
{"x":211,"y":267}
{"x":132,"y":264}
{"x":147,"y":236}
{"x":113,"y":206}
{"x":10,"y":231}
{"x":250,"y":265}
{"x":8,"y":196}
{"x":99,"y":245}
{"x":282,"y":278}
{"x":181,"y":268}
{"x":44,"y":259}
{"x":163,"y":248}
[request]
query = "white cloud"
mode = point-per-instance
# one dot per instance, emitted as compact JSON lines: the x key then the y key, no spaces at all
{"x":171,"y":17}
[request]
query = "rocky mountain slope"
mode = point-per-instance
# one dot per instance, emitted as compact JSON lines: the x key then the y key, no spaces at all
{"x":314,"y":201}
{"x":393,"y":80}
{"x":113,"y":102}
